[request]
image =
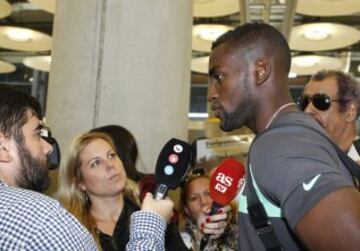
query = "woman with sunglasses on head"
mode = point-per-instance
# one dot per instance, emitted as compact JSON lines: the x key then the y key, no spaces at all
{"x":93,"y":186}
{"x":333,"y":99}
{"x":195,"y":200}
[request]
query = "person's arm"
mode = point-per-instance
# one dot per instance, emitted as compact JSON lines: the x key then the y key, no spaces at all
{"x":56,"y":229}
{"x":333,"y":223}
{"x":147,"y":227}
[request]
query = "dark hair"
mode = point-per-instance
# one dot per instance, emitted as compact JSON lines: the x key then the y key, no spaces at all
{"x":258,"y":35}
{"x":347,"y":87}
{"x":14,"y":105}
{"x":126,"y":148}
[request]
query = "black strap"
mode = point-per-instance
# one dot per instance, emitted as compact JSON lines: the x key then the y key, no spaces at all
{"x":256,"y":210}
{"x":259,"y":218}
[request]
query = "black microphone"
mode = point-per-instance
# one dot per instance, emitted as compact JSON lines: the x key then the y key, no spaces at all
{"x":54,"y":157}
{"x":171,"y":166}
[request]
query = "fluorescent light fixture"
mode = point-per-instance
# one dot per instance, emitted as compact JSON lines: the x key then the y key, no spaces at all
{"x":198,"y":115}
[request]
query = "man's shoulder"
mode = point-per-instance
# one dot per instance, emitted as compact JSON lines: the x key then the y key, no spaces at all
{"x":291,"y":126}
{"x":293,"y":133}
{"x":32,"y":219}
{"x":13,"y":197}
{"x":299,"y":119}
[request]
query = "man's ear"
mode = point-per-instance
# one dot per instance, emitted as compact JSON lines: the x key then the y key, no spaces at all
{"x":351,"y":112}
{"x":262,"y":71}
{"x":5,"y":155}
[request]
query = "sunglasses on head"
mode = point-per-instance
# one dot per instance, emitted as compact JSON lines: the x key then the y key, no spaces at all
{"x":320,"y":101}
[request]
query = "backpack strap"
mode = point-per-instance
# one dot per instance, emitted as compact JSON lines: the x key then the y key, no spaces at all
{"x":259,"y":218}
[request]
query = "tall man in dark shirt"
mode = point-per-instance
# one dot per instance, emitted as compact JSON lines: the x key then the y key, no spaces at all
{"x":308,"y":194}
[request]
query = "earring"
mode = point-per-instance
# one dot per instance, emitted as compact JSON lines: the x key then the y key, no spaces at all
{"x":85,"y":198}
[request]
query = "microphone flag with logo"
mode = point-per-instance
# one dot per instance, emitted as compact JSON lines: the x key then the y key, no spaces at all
{"x":225,"y":183}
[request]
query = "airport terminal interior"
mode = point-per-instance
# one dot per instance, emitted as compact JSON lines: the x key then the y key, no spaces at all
{"x":322,"y":34}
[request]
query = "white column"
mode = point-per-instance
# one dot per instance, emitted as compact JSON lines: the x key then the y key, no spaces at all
{"x":121,"y":62}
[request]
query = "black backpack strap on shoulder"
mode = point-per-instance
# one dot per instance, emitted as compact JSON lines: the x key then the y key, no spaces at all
{"x":259,"y":218}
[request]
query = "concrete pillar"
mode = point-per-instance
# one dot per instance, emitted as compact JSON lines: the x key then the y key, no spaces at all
{"x":121,"y":62}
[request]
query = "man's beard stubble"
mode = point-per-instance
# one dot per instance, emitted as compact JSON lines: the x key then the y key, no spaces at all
{"x":34,"y":173}
{"x":240,"y":116}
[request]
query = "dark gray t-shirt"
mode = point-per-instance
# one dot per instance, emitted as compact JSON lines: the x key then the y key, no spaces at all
{"x":294,"y":168}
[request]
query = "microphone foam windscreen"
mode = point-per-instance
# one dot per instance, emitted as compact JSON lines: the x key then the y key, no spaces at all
{"x":226,"y":181}
{"x":173,"y":163}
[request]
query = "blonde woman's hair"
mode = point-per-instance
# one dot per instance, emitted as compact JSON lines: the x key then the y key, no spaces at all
{"x":70,"y":195}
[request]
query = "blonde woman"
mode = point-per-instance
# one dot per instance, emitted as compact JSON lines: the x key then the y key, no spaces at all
{"x":93,"y":186}
{"x":195,"y":199}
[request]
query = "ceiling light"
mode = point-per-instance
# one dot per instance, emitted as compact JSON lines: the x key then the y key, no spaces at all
{"x":358,"y":68}
{"x":19,"y":35}
{"x":215,"y":8}
{"x":317,"y":33}
{"x":198,"y":115}
{"x":209,"y":32}
{"x":6,"y":67}
{"x":204,"y":34}
{"x":322,"y":36}
{"x":5,"y":9}
{"x":40,"y":63}
{"x":200,"y":64}
{"x":310,"y":64}
{"x":304,"y":62}
{"x":203,"y":1}
{"x":24,"y":39}
{"x":328,"y":8}
{"x":292,"y":75}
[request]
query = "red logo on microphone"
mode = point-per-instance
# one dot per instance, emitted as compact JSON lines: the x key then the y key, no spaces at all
{"x":173,"y":158}
{"x":224,"y":182}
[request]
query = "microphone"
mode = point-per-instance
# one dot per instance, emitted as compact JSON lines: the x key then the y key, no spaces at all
{"x":171,"y":166}
{"x":225,"y":182}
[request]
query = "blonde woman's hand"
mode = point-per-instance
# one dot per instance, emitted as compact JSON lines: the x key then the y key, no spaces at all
{"x":163,"y":207}
{"x":213,"y":225}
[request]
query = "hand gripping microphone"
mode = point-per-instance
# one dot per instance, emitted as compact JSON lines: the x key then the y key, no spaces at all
{"x":171,"y":166}
{"x":225,"y":182}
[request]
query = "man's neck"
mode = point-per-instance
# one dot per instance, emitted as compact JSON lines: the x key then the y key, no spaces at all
{"x":347,"y":139}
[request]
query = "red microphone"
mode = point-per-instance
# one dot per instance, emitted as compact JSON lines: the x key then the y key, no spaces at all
{"x":225,"y":183}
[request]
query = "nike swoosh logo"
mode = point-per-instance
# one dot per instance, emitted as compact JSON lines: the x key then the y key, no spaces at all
{"x":310,"y":184}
